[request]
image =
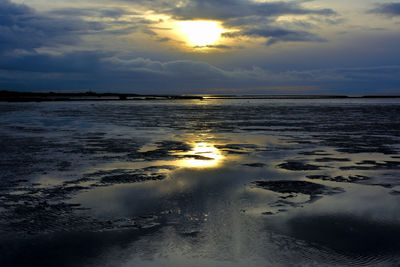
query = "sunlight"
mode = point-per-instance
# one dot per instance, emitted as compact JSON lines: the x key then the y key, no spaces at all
{"x":201,"y":33}
{"x":204,"y":155}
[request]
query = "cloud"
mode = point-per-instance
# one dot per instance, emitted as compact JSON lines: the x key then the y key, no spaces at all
{"x":149,"y":61}
{"x":93,"y":12}
{"x":276,"y":35}
{"x":254,"y":18}
{"x":73,"y":62}
{"x":249,"y":17}
{"x":228,"y":9}
{"x":105,"y":71}
{"x":376,"y":74}
{"x":225,"y":47}
{"x":110,"y":72}
{"x":183,"y":70}
{"x":388,"y":9}
{"x":23,"y":28}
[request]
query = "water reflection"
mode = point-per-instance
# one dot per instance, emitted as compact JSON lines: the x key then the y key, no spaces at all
{"x":202,"y":155}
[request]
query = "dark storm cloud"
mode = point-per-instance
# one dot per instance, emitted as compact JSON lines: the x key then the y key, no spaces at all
{"x":163,"y":39}
{"x":96,"y":14}
{"x":106,"y":64}
{"x":93,"y":12}
{"x":225,"y":47}
{"x":102,"y":72}
{"x":82,"y":61}
{"x":178,"y":69}
{"x":23,"y":28}
{"x":376,"y":74}
{"x":108,"y":71}
{"x":276,"y":35}
{"x":248,"y":20}
{"x":228,"y":9}
{"x":388,"y":9}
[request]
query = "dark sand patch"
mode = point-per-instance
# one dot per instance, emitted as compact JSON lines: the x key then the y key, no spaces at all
{"x":255,"y":165}
{"x":36,"y":210}
{"x":197,"y":157}
{"x":27,"y":208}
{"x":387,"y":165}
{"x":233,"y":152}
{"x":22,"y":156}
{"x":395,"y":193}
{"x":303,"y":187}
{"x":315,"y":153}
{"x":331,"y":159}
{"x":130,"y":178}
{"x":290,"y":193}
{"x":45,"y":217}
{"x":362,"y":144}
{"x":237,"y":148}
{"x":175,"y":146}
{"x":386,"y":185}
{"x":348,"y":179}
{"x":98,"y":143}
{"x":351,"y":179}
{"x":122,"y":176}
{"x":298,"y":166}
{"x":165,"y":150}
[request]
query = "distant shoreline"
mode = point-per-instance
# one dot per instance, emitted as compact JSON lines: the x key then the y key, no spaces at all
{"x":10,"y":96}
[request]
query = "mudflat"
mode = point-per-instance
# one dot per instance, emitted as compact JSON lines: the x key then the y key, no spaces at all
{"x":194,"y":182}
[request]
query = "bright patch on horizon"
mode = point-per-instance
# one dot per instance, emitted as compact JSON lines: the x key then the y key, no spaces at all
{"x":201,"y":33}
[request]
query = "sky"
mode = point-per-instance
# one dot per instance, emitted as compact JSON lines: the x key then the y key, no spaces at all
{"x":201,"y":46}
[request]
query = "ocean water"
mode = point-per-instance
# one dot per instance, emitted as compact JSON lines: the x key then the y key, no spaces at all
{"x":214,"y":182}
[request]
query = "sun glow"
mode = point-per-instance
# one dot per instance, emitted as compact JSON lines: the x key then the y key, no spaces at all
{"x":201,"y":33}
{"x":202,"y":155}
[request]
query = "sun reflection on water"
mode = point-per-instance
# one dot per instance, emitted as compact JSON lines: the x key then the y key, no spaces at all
{"x":202,"y":155}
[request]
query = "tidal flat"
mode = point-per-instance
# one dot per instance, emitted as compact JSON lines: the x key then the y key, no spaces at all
{"x":190,"y":182}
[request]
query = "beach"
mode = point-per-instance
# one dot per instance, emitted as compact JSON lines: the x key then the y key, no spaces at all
{"x":195,"y":182}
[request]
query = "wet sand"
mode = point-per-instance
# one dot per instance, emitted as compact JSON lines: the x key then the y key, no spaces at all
{"x":219,"y":182}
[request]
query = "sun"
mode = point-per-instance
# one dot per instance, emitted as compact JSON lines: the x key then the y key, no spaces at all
{"x":201,"y":33}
